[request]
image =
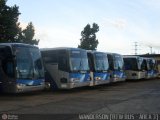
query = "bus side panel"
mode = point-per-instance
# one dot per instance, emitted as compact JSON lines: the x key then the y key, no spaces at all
{"x":0,"y":83}
{"x":62,"y":80}
{"x":51,"y":75}
{"x":7,"y":84}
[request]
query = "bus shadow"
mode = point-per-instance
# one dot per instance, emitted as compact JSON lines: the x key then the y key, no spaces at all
{"x":87,"y":88}
{"x":143,"y":80}
{"x":15,"y":95}
{"x":69,"y":91}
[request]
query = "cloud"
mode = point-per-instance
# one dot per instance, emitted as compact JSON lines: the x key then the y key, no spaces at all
{"x":119,"y":23}
{"x":57,"y":37}
{"x":23,"y":25}
{"x":152,"y":4}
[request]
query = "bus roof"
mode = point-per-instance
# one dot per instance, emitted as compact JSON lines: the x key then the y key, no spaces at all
{"x":18,"y":44}
{"x":94,"y":51}
{"x":60,"y":48}
{"x":113,"y":53}
{"x":129,"y":56}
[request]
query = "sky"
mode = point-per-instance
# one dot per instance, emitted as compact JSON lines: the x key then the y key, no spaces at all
{"x":58,"y":23}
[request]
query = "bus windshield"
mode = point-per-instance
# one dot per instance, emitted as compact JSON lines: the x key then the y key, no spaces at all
{"x":101,"y":62}
{"x":140,"y":63}
{"x":130,"y":64}
{"x":118,"y":62}
{"x":37,"y":62}
{"x":78,"y":60}
{"x":152,"y":63}
{"x":28,"y":62}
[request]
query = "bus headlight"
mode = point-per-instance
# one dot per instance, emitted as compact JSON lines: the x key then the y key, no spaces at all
{"x":74,"y":79}
{"x":19,"y":85}
{"x":115,"y":76}
{"x":97,"y":78}
{"x":47,"y":85}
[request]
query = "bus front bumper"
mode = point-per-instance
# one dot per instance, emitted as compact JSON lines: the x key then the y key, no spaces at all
{"x":21,"y":89}
{"x":74,"y":85}
{"x":118,"y":79}
{"x":101,"y":82}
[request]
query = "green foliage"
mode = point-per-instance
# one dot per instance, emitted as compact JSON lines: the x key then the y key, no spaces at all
{"x":8,"y":22}
{"x":27,"y":35}
{"x":88,"y":40}
{"x":10,"y":30}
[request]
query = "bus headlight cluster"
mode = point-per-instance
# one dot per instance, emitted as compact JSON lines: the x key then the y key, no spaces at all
{"x":74,"y":79}
{"x":19,"y":85}
{"x":115,"y":76}
{"x":97,"y":78}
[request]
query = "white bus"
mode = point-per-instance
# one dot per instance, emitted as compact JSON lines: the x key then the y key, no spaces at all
{"x":134,"y":68}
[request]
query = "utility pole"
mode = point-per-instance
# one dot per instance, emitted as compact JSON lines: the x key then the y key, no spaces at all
{"x":135,"y":49}
{"x":150,"y":48}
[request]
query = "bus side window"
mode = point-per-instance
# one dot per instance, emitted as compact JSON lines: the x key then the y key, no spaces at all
{"x":62,"y":63}
{"x":8,"y":68}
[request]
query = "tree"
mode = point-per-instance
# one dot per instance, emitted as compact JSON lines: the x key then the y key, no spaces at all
{"x":27,"y":35}
{"x":88,"y":40}
{"x":10,"y":30}
{"x":9,"y":25}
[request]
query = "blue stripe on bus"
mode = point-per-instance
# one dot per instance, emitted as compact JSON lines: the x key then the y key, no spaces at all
{"x":120,"y":74}
{"x":30,"y":82}
{"x":82,"y":76}
{"x":104,"y":76}
{"x":150,"y":72}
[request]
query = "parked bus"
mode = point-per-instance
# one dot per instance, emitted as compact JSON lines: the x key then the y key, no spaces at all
{"x":98,"y":64}
{"x":66,"y":68}
{"x":116,"y":67}
{"x":147,"y":67}
{"x":150,"y":67}
{"x":134,"y":68}
{"x":21,"y":68}
{"x":154,"y":67}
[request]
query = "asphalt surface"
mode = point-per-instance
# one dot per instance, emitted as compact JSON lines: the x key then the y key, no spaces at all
{"x":126,"y":97}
